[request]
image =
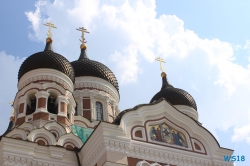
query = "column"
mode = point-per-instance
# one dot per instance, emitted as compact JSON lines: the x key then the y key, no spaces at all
{"x":81,"y":106}
{"x":62,"y":105}
{"x":92,"y":109}
{"x":41,"y":101}
{"x":106,"y":110}
{"x":113,"y":109}
{"x":22,"y":106}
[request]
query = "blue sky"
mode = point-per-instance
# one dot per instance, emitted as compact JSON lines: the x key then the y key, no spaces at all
{"x":206,"y":46}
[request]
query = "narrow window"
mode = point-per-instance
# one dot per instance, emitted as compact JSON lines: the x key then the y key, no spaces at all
{"x":99,"y":111}
{"x":76,"y":112}
{"x":51,"y":106}
{"x":32,"y":107}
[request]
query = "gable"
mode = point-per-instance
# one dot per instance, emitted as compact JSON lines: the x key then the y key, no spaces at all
{"x":161,"y":124}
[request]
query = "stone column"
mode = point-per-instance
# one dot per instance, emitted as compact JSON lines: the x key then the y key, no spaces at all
{"x":81,"y":106}
{"x":105,"y":110}
{"x":22,"y":106}
{"x":113,"y":109}
{"x":41,"y":101}
{"x":62,"y":105}
{"x":71,"y":112}
{"x":92,"y":109}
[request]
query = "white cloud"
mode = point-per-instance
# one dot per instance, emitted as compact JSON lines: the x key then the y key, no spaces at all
{"x":140,"y":35}
{"x":35,"y":19}
{"x":241,"y":133}
{"x":9,"y":66}
{"x":247,"y":45}
{"x":128,"y":64}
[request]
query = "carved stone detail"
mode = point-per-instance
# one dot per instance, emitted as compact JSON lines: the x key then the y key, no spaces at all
{"x":59,"y":81}
{"x":88,"y":85}
{"x":153,"y":155}
{"x":95,"y":156}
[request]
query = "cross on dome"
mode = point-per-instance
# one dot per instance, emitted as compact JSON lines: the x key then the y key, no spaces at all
{"x":83,"y":30}
{"x":50,"y":25}
{"x":161,"y":60}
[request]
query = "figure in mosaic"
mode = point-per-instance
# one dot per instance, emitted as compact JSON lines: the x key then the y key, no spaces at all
{"x":166,"y":134}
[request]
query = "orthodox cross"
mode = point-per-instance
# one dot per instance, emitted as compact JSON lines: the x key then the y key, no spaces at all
{"x":160,"y":60}
{"x":50,"y":25}
{"x":82,"y":30}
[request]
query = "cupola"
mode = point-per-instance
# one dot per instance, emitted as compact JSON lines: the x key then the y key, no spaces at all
{"x":181,"y":99}
{"x":47,"y":59}
{"x":96,"y":87}
{"x":45,"y":86}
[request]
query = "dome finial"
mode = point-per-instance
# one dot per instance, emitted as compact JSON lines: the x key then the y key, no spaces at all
{"x":83,"y":45}
{"x":49,"y":34}
{"x":161,"y":67}
{"x":49,"y":39}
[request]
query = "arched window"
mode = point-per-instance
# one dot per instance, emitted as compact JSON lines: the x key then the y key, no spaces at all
{"x":99,"y":111}
{"x":51,"y":106}
{"x":30,"y":109}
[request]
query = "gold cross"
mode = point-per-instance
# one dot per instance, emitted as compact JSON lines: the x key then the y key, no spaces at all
{"x":82,"y":30}
{"x":160,"y":60}
{"x":50,"y":25}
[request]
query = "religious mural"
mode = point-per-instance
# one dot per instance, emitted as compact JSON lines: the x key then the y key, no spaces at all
{"x":166,"y":134}
{"x":82,"y":132}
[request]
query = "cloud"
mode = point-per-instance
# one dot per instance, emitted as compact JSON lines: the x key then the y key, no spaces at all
{"x":138,"y":36}
{"x":9,"y":66}
{"x":128,"y":64}
{"x":242,"y":133}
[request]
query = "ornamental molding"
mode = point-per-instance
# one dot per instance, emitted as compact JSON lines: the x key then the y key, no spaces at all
{"x":46,"y":75}
{"x":93,"y":149}
{"x":94,"y":155}
{"x":70,"y":138}
{"x":145,"y":163}
{"x":11,"y":160}
{"x":52,"y":133}
{"x":54,"y":126}
{"x":163,"y":109}
{"x":188,"y":111}
{"x":102,"y":141}
{"x":38,"y":89}
{"x":23,"y":153}
{"x":88,"y":82}
{"x":158,"y":155}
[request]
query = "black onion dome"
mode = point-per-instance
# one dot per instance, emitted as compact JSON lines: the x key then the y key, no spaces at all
{"x":47,"y":59}
{"x":86,"y":67}
{"x":174,"y":95}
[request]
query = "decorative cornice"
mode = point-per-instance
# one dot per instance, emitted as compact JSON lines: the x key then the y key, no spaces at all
{"x":88,"y":82}
{"x":161,"y":156}
{"x":22,"y":153}
{"x":103,"y":140}
{"x":191,"y":112}
{"x":43,"y":75}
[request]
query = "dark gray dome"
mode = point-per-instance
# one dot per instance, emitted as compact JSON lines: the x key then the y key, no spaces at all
{"x":47,"y":59}
{"x":86,"y":67}
{"x":174,"y":95}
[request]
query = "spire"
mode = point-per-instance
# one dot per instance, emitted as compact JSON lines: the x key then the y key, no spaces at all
{"x":165,"y":82}
{"x":83,"y":54}
{"x":83,"y":46}
{"x":48,"y":46}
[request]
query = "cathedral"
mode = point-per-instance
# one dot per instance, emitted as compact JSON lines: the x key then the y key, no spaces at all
{"x":67,"y":114}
